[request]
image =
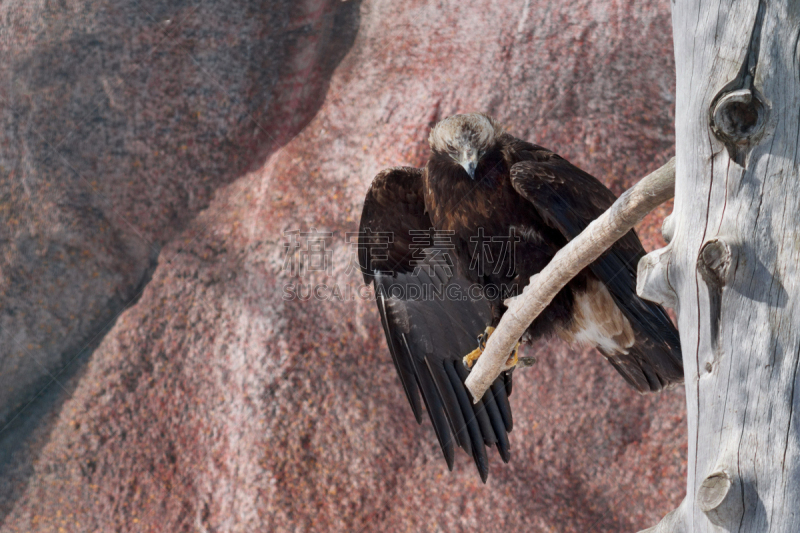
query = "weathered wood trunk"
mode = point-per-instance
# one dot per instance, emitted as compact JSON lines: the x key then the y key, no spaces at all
{"x":732,"y":268}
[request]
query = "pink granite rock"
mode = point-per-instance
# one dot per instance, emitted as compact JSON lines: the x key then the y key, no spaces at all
{"x":119,"y":123}
{"x":221,"y":402}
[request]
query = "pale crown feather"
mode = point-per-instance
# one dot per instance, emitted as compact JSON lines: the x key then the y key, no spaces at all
{"x":462,"y":133}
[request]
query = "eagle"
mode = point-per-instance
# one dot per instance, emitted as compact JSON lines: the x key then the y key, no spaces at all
{"x":445,"y":245}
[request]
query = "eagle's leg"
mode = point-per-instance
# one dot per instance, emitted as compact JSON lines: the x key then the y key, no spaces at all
{"x":471,"y":357}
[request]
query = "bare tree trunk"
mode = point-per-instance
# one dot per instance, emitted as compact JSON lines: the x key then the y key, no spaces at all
{"x":731,"y":268}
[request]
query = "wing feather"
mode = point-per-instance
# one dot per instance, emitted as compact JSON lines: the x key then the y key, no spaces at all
{"x":435,"y":407}
{"x":501,"y":400}
{"x":498,"y":426}
{"x":401,"y":362}
{"x":429,"y":335}
{"x":569,"y":199}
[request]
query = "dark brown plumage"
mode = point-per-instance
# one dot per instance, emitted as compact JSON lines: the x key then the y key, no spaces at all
{"x":435,"y":297}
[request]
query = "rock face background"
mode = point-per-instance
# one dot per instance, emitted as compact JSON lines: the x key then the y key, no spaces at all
{"x":156,"y":373}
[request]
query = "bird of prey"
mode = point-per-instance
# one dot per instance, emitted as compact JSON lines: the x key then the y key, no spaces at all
{"x":446,"y":244}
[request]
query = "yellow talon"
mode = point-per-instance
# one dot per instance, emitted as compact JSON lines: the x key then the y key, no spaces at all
{"x":474,"y":355}
{"x":513,"y":359}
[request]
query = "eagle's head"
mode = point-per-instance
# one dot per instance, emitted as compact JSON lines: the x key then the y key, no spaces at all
{"x":465,"y":139}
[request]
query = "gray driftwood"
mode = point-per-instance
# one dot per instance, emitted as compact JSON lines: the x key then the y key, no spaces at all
{"x":629,"y":209}
{"x":731,"y":266}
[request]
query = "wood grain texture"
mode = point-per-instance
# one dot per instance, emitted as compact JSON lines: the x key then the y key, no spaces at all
{"x":733,"y":259}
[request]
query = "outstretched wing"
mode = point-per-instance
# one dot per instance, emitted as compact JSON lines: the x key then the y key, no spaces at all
{"x":569,"y":199}
{"x":429,"y":318}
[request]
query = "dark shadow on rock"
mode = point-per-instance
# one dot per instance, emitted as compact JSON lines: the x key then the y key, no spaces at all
{"x":27,"y":429}
{"x":119,"y":136}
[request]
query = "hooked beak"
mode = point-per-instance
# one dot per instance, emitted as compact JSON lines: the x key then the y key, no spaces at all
{"x":470,"y":165}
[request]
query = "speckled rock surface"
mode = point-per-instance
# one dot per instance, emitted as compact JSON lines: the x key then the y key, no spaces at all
{"x":227,"y":398}
{"x":119,"y":121}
